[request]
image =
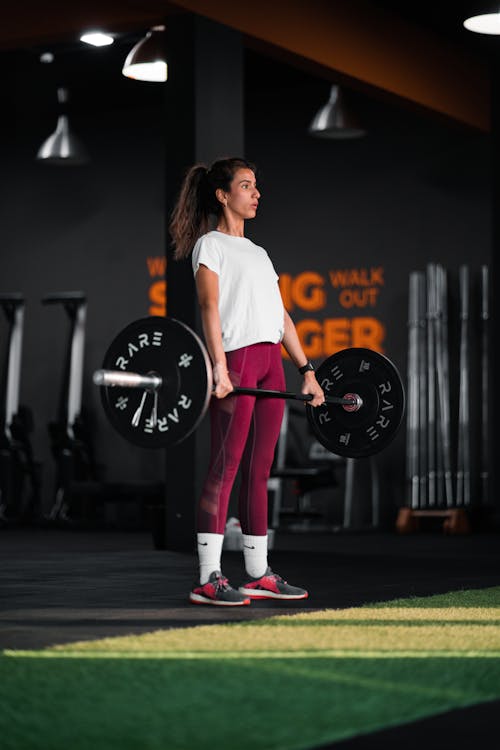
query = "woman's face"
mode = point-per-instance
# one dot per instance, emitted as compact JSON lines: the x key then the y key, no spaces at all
{"x":242,"y":200}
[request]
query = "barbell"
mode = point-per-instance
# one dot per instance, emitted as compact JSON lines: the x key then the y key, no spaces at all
{"x":156,"y":384}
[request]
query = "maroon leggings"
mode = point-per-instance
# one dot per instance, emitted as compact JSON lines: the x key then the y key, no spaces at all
{"x":244,"y":430}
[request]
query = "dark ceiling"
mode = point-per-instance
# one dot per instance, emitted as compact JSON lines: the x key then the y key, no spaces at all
{"x":32,"y":27}
{"x":446,"y":19}
{"x":32,"y":23}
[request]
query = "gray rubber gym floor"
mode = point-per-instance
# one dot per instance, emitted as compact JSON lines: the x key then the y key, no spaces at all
{"x":59,"y":586}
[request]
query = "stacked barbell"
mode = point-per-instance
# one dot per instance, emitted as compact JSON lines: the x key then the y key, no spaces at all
{"x":447,"y":453}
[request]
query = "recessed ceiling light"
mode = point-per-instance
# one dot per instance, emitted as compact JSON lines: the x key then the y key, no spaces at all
{"x":97,"y":39}
{"x":488,"y":23}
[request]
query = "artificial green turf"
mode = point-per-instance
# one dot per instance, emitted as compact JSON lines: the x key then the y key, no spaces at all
{"x":332,"y":674}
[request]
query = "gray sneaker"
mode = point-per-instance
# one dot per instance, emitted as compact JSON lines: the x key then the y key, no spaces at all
{"x":271,"y":586}
{"x":217,"y":591}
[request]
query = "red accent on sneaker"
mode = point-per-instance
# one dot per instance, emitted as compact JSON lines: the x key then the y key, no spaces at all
{"x":208,"y":590}
{"x":272,"y":586}
{"x":217,"y":591}
{"x":268,"y":583}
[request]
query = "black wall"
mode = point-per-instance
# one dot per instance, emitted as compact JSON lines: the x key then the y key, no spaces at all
{"x":414,"y":190}
{"x":89,"y":228}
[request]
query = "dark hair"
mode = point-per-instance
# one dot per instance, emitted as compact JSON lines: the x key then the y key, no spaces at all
{"x":197,"y":201}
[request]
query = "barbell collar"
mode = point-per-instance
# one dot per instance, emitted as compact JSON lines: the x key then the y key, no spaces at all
{"x":149,"y":382}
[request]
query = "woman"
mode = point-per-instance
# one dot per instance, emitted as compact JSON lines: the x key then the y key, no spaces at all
{"x":244,"y":323}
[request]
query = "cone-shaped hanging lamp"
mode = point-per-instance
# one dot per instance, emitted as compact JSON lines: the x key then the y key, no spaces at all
{"x":147,"y":61}
{"x":62,"y":147}
{"x":335,"y":120}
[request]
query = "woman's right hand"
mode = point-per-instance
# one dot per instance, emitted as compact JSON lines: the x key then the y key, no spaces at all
{"x":222,"y":383}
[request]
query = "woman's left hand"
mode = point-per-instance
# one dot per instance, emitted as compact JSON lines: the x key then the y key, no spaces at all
{"x":311,"y":385}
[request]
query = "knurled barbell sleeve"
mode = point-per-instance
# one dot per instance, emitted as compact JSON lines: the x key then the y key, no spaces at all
{"x":463,"y":443}
{"x":485,"y":406}
{"x":442,"y":361}
{"x":431,"y":387}
{"x":412,"y":421}
{"x":422,"y":389}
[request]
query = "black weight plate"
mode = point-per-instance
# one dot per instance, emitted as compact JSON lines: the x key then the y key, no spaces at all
{"x":172,"y":350}
{"x":372,"y":376}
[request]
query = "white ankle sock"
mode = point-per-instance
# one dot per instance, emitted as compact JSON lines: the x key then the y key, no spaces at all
{"x":209,"y":554}
{"x":255,"y":554}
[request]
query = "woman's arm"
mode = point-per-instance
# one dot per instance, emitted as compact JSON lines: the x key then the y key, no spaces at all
{"x":293,"y":346}
{"x":207,"y":286}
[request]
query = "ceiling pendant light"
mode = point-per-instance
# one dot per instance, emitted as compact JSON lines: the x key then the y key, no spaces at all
{"x":62,"y":147}
{"x":97,"y":39}
{"x":147,"y":60}
{"x":335,"y":120}
{"x":487,"y":23}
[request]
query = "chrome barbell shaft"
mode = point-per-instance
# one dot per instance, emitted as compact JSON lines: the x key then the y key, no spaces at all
{"x":153,"y":382}
{"x":354,"y":401}
{"x":108,"y":378}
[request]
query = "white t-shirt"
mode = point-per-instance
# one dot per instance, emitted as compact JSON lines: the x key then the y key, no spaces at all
{"x":250,"y":306}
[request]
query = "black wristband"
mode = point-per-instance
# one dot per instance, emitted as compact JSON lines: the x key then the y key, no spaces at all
{"x":305,"y":368}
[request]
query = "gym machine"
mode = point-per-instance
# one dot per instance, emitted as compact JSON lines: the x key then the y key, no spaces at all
{"x":19,"y":473}
{"x":70,"y":437}
{"x":80,"y":490}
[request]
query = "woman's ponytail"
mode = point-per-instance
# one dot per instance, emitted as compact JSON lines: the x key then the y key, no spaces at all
{"x":190,"y":217}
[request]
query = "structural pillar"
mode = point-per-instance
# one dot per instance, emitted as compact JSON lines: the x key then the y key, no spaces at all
{"x":203,"y":121}
{"x":493,"y":456}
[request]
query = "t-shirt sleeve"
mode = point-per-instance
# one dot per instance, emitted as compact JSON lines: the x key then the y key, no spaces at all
{"x":206,"y":252}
